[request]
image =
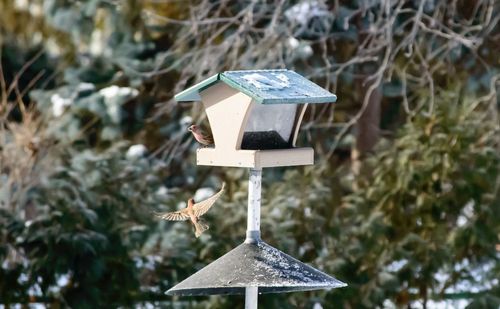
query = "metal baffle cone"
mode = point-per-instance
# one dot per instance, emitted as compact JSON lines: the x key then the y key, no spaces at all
{"x":258,"y":265}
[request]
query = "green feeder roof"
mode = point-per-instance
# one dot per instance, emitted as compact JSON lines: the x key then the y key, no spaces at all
{"x":265,"y":87}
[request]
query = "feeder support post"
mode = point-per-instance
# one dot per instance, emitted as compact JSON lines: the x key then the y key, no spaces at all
{"x":253,"y":227}
{"x":253,"y":215}
{"x":251,"y":296}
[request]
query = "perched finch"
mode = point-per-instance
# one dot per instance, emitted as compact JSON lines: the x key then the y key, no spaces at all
{"x":193,"y":212}
{"x":200,"y":136}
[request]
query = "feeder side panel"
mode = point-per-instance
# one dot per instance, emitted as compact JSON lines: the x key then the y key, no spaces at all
{"x":264,"y":119}
{"x":227,"y":111}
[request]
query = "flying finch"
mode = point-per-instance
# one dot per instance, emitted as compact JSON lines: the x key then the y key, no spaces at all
{"x":200,"y":136}
{"x":193,"y":212}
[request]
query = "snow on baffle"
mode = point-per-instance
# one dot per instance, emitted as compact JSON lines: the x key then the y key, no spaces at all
{"x":255,"y":264}
{"x":255,"y":117}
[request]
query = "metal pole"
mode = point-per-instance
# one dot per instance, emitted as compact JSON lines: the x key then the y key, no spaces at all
{"x":253,"y":227}
{"x":251,"y":294}
{"x":253,"y":215}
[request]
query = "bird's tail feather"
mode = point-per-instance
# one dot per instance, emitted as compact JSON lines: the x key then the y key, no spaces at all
{"x":200,"y":227}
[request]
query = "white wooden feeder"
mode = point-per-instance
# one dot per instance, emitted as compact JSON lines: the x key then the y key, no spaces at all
{"x":255,"y":118}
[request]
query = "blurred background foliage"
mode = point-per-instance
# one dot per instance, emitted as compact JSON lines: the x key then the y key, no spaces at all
{"x":402,"y":204}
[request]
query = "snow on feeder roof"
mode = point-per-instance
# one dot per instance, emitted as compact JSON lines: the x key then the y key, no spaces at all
{"x":255,"y":264}
{"x":265,"y":87}
{"x":255,"y":117}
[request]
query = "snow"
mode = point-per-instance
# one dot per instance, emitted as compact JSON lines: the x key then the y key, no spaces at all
{"x":63,"y":280}
{"x":136,"y":151}
{"x":446,"y":187}
{"x":478,"y":282}
{"x":35,"y":289}
{"x":146,"y":305}
{"x":478,"y":273}
{"x":23,"y":278}
{"x":276,"y":212}
{"x":203,"y":193}
{"x":293,"y":42}
{"x":59,"y":104}
{"x":302,"y":49}
{"x":148,"y":262}
{"x":466,"y":214}
{"x":305,"y":247}
{"x":280,"y":86}
{"x":162,"y":191}
{"x":97,"y":39}
{"x":288,"y":270}
{"x":282,"y":77}
{"x":307,"y":212}
{"x":388,"y":304}
{"x":262,"y":82}
{"x":306,"y":51}
{"x":85,"y":87}
{"x":317,"y":306}
{"x":52,"y":47}
{"x":181,"y":205}
{"x":35,"y":9}
{"x":302,"y":12}
{"x":21,"y":4}
{"x":442,"y":304}
{"x":113,"y":98}
{"x":113,"y":91}
{"x":397,"y":265}
{"x":186,"y":121}
{"x":461,"y":221}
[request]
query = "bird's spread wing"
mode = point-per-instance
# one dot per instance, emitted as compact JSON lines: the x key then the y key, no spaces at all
{"x":202,"y":207}
{"x":180,"y":215}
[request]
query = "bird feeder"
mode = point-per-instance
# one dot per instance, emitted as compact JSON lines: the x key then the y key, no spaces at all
{"x":255,"y":118}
